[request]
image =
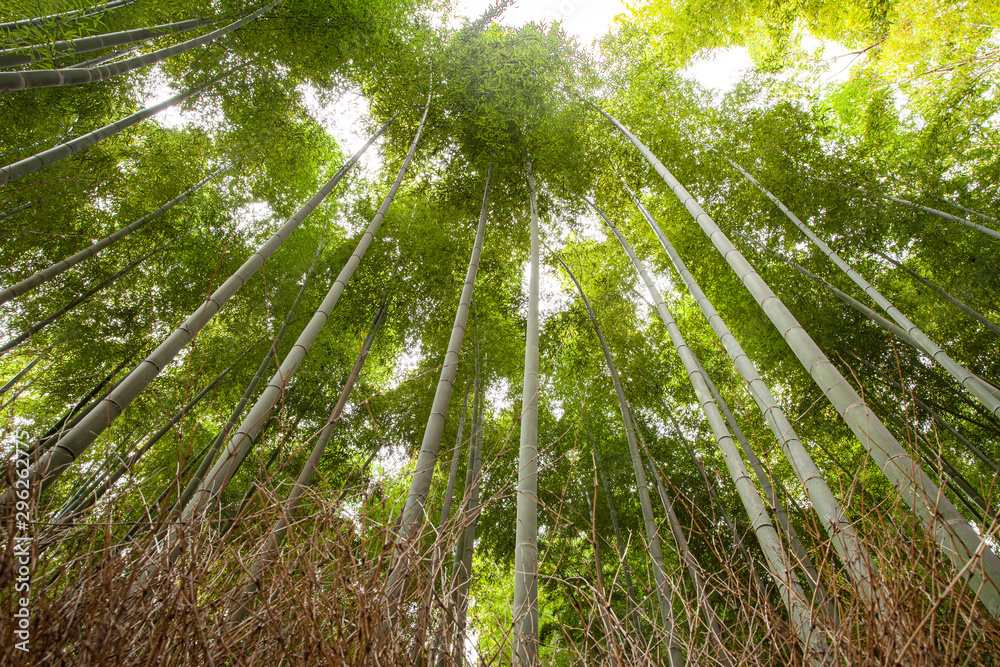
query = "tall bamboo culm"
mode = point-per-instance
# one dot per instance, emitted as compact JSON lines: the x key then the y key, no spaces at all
{"x":273,"y":541}
{"x":456,"y":618}
{"x":54,"y":270}
{"x":42,"y":159}
{"x":412,"y":517}
{"x":11,"y":27}
{"x":987,"y":394}
{"x":42,"y":78}
{"x":245,"y":436}
{"x":525,"y":638}
{"x":832,"y":515}
{"x":782,"y":571}
{"x":89,"y":429}
{"x":664,"y":588}
{"x":967,"y":551}
{"x":26,"y":55}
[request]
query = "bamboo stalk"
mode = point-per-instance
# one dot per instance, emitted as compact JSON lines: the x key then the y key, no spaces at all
{"x":67,"y":77}
{"x":81,"y":437}
{"x":959,"y":542}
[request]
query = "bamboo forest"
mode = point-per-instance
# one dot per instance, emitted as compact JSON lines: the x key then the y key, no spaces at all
{"x":442,"y":332}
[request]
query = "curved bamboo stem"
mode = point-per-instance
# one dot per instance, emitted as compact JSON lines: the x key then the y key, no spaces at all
{"x":28,"y":165}
{"x":525,"y":610}
{"x":26,"y":55}
{"x":778,"y":562}
{"x":988,"y":395}
{"x":246,"y":435}
{"x":42,"y":78}
{"x":54,"y":270}
{"x":89,"y":429}
{"x":832,"y":515}
{"x":55,"y":19}
{"x":957,"y":539}
{"x":412,"y":517}
{"x":664,"y":589}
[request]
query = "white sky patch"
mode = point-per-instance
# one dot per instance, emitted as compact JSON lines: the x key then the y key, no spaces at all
{"x":643,"y":302}
{"x":591,"y":227}
{"x":406,"y":364}
{"x":251,"y":215}
{"x":498,"y":395}
{"x":102,"y":204}
{"x":832,"y":63}
{"x":841,"y":59}
{"x":344,"y":119}
{"x":720,"y":70}
{"x":472,"y":643}
{"x":156,"y":89}
{"x":551,"y":298}
{"x":392,"y":460}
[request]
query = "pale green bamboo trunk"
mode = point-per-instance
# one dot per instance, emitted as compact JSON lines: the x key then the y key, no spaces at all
{"x":449,"y":493}
{"x":245,"y":436}
{"x":31,"y":164}
{"x":987,"y":394}
{"x":465,"y":545}
{"x":437,"y":567}
{"x":525,"y":610}
{"x":67,"y":77}
{"x":412,"y":517}
{"x":779,"y":564}
{"x":273,"y":541}
{"x":981,"y":216}
{"x":664,"y":589}
{"x":100,"y":60}
{"x":27,"y":55}
{"x":832,"y":516}
{"x":959,"y":542}
{"x":11,"y":27}
{"x":948,"y":216}
{"x":961,"y":305}
{"x":54,"y":270}
{"x":89,"y":429}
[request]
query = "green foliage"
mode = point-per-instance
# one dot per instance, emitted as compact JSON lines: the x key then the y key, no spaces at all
{"x":916,"y":119}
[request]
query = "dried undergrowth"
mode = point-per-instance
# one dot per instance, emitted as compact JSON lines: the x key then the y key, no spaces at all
{"x":95,"y":602}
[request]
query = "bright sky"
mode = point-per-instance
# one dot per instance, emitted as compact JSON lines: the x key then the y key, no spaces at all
{"x":586,"y":19}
